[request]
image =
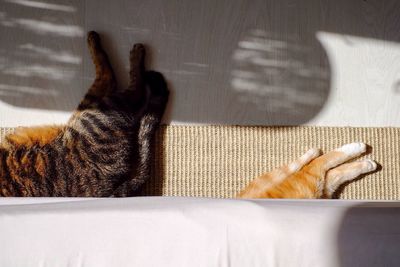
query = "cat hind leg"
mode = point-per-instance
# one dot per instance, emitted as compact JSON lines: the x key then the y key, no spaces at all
{"x":316,"y":171}
{"x":346,"y":172}
{"x":259,"y":187}
{"x":105,"y":81}
{"x":137,"y":69}
{"x":336,"y":157}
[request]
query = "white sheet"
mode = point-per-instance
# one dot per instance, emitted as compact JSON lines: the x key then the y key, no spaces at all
{"x":162,"y":231}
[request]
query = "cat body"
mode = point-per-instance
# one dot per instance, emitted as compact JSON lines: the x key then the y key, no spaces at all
{"x":104,"y":149}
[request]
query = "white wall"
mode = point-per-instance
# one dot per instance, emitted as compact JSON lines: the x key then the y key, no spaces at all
{"x":258,"y":62}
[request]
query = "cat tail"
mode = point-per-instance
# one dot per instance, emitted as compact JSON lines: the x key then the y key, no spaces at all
{"x":146,"y":134}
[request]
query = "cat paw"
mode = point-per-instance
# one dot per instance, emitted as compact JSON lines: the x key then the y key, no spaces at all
{"x":137,"y":54}
{"x":371,"y":165}
{"x":353,"y":149}
{"x":138,"y":48}
{"x":93,"y":38}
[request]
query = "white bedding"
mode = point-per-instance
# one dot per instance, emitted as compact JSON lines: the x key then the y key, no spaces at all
{"x":161,"y":231}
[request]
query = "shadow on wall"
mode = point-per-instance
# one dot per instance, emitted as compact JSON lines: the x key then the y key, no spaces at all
{"x":370,"y":236}
{"x":41,"y":54}
{"x":228,"y":62}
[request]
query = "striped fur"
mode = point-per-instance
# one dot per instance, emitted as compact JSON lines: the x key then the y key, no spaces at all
{"x":104,"y":150}
{"x":311,"y":176}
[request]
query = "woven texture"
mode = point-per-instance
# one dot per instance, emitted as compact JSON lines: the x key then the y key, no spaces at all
{"x":218,"y":161}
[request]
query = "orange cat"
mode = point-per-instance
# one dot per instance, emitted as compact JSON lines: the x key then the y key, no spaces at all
{"x":312,"y":175}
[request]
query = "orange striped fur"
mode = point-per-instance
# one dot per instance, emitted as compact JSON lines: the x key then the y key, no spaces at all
{"x":311,"y":176}
{"x":30,"y":136}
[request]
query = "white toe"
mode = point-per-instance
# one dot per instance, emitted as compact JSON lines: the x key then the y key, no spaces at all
{"x":371,"y":165}
{"x":353,"y":148}
{"x":313,"y":153}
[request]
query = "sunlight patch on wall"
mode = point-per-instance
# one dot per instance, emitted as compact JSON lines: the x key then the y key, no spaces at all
{"x":44,"y":27}
{"x":58,"y":56}
{"x":37,"y":70}
{"x":365,"y":74}
{"x":29,"y":116}
{"x":41,"y":27}
{"x":43,"y":5}
{"x":25,"y":91}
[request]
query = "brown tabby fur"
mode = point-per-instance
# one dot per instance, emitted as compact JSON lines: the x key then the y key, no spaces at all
{"x":105,"y":148}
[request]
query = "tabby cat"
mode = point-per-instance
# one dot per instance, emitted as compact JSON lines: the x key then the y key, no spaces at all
{"x":311,"y":176}
{"x":104,"y":149}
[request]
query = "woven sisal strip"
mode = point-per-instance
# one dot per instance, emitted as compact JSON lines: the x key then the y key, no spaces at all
{"x":218,"y":161}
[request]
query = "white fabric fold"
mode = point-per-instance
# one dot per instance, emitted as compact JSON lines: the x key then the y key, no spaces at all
{"x":167,"y":231}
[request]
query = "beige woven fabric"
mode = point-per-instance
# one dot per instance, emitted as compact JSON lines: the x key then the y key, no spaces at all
{"x":218,"y":161}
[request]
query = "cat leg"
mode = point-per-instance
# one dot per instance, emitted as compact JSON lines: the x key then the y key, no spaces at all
{"x":104,"y":82}
{"x":346,"y":172}
{"x":336,"y":157}
{"x":137,"y":70}
{"x":146,"y":134}
{"x":137,"y":73}
{"x":309,"y":182}
{"x":265,"y":182}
